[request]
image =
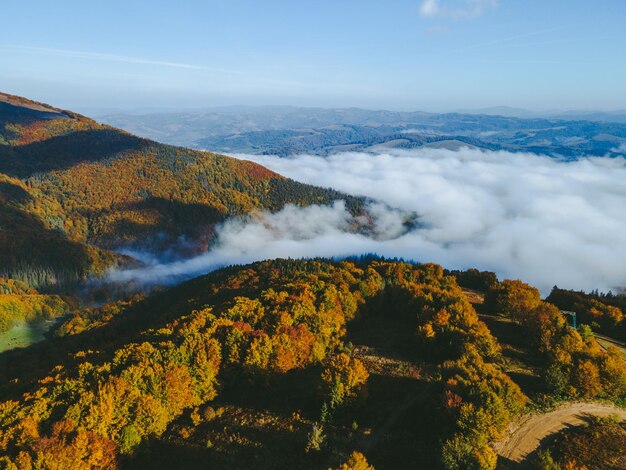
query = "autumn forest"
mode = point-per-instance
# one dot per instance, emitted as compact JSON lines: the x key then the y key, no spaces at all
{"x":353,"y":364}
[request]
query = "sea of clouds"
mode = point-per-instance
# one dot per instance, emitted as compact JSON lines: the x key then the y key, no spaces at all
{"x":541,"y":219}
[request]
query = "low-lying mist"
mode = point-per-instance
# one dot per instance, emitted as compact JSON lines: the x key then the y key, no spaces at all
{"x":521,"y":215}
{"x":296,"y":232}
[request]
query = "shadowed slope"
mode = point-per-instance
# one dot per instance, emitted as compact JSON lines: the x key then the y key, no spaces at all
{"x":91,"y":184}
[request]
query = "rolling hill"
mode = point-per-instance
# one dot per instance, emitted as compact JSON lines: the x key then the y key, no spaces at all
{"x":291,"y":130}
{"x":300,"y":364}
{"x":235,"y":370}
{"x":73,"y":190}
{"x":277,"y":364}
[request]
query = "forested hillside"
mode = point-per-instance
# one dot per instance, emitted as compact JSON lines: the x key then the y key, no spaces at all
{"x":348,"y":364}
{"x":105,"y":397}
{"x":605,"y":313}
{"x":20,"y":303}
{"x":72,"y":189}
{"x":306,"y":364}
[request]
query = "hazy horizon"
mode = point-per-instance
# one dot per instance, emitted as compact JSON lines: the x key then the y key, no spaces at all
{"x":507,"y":110}
{"x":430,"y":55}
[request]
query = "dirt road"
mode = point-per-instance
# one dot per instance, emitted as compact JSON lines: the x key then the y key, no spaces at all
{"x":528,"y":433}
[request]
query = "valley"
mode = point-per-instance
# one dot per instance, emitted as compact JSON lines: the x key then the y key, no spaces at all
{"x":328,"y":235}
{"x":313,"y":363}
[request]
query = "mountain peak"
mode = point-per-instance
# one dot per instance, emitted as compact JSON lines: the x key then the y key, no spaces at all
{"x":21,"y":102}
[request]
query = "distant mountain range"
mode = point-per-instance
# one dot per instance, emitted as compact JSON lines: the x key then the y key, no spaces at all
{"x":571,"y":115}
{"x":290,"y":130}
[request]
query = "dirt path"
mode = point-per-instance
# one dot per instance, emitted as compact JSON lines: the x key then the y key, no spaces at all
{"x":531,"y":430}
{"x":379,"y":363}
{"x":473,"y":296}
{"x":605,"y":342}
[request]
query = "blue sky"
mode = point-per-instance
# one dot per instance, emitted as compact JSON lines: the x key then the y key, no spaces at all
{"x":394,"y":54}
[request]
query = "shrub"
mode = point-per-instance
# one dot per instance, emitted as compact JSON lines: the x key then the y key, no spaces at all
{"x":316,"y":438}
{"x":356,"y":461}
{"x":344,"y":378}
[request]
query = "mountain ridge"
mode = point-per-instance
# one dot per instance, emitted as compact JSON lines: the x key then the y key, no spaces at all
{"x":95,"y":187}
{"x":292,"y":130}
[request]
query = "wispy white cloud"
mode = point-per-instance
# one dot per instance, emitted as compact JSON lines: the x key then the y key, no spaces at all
{"x":237,"y":80}
{"x":429,"y":8}
{"x":109,"y":57}
{"x":455,"y":9}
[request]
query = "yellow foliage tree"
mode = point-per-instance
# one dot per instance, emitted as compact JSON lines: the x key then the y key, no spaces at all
{"x":344,"y":378}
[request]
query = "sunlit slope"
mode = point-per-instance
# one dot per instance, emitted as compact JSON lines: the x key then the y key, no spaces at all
{"x":295,"y":364}
{"x":267,"y":345}
{"x":69,"y":180}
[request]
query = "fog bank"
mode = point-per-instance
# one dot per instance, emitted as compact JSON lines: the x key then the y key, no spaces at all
{"x":296,"y":232}
{"x":521,"y":215}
